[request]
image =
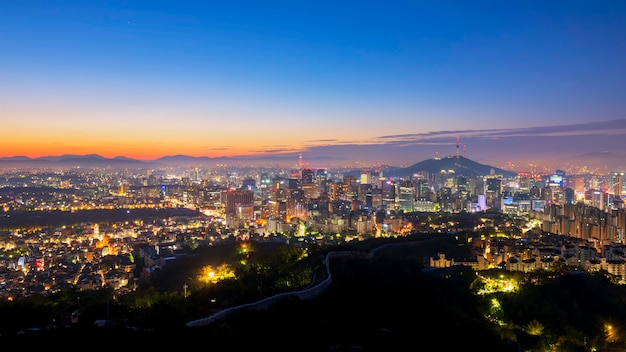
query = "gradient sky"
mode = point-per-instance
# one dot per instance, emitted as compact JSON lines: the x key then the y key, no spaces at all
{"x":394,"y":81}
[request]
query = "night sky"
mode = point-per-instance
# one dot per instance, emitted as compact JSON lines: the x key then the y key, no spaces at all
{"x":394,"y":82}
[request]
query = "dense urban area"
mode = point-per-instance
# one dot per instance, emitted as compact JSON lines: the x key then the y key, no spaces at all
{"x":534,"y":261}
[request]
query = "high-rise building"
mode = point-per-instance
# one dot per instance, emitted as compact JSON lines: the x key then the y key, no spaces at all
{"x":596,"y":198}
{"x":232,"y":199}
{"x":569,"y":196}
{"x":406,"y":196}
{"x":557,"y":179}
{"x":577,"y":183}
{"x":307,"y":176}
{"x":321,"y":179}
{"x":321,"y":175}
{"x":365,"y":178}
{"x":524,"y":182}
{"x":617,"y":182}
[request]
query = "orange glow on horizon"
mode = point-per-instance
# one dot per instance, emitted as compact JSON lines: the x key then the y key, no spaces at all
{"x":134,"y":151}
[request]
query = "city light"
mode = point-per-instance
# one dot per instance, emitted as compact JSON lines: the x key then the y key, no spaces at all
{"x":211,"y":275}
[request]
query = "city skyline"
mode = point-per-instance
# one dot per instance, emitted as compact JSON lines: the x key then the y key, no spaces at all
{"x":527,"y":82}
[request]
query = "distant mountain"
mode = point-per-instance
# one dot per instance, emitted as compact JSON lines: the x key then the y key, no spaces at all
{"x":185,"y":160}
{"x":69,"y":160}
{"x":98,"y":161}
{"x":605,"y":161}
{"x":459,"y":165}
{"x":70,"y":157}
{"x":15,"y":158}
{"x":451,"y":164}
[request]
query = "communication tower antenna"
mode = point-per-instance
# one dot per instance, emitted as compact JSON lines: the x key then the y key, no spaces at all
{"x":457,"y":147}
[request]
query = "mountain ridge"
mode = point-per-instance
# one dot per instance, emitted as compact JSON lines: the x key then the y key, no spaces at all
{"x":458,"y":165}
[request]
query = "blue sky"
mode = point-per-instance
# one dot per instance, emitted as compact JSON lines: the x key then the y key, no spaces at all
{"x":392,"y":82}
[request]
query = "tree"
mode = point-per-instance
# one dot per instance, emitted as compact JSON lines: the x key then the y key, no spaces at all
{"x":534,"y":328}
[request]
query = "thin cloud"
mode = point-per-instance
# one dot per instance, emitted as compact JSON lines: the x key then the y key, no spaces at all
{"x":322,"y":140}
{"x":275,"y":151}
{"x":613,"y":127}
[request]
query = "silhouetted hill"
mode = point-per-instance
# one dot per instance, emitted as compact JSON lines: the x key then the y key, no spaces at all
{"x":459,"y":165}
{"x":451,"y":164}
{"x":69,"y":160}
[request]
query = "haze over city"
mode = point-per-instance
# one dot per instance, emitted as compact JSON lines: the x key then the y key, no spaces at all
{"x":395,"y":82}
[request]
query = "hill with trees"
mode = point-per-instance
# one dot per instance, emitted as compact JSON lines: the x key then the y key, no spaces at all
{"x":383,"y":299}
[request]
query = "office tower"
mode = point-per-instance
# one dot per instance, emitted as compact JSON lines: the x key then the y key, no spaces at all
{"x":232,"y":199}
{"x":569,"y":195}
{"x":617,"y":182}
{"x":577,"y":183}
{"x":407,"y":195}
{"x":321,"y":179}
{"x":307,"y":176}
{"x":365,"y":178}
{"x":523,"y":179}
